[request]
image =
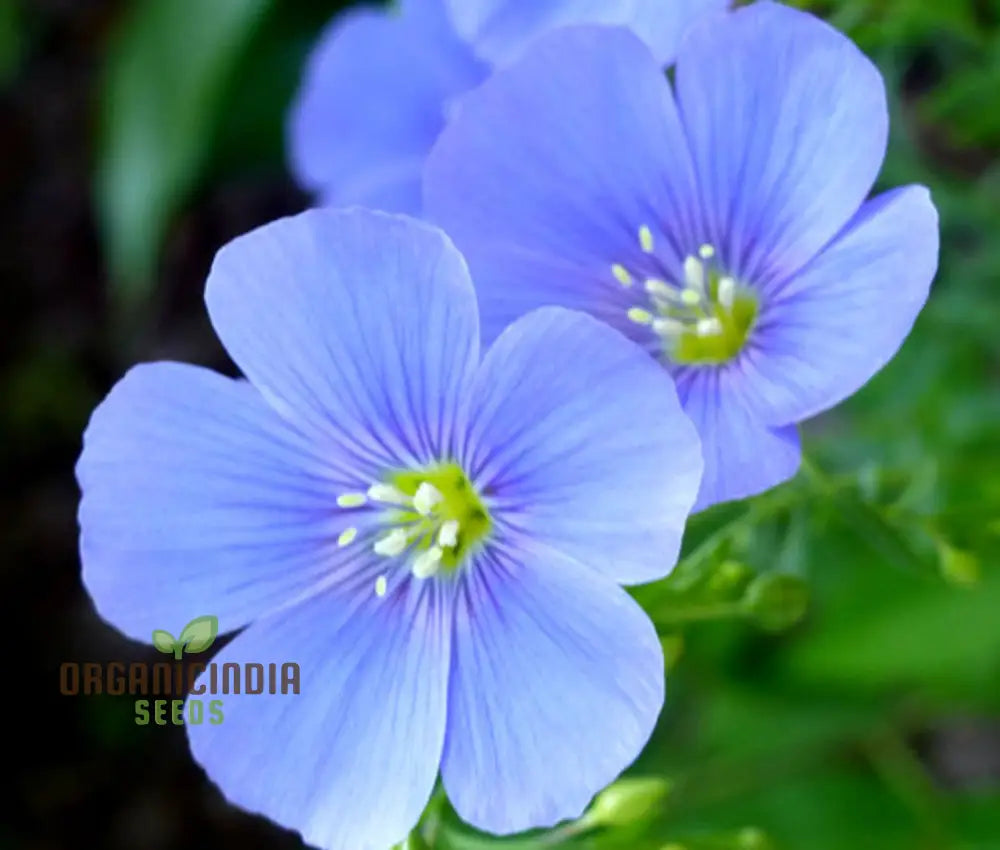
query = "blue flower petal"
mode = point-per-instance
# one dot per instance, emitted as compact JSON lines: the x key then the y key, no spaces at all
{"x":826,"y":330}
{"x":199,"y":499}
{"x":372,"y":102}
{"x":787,"y":121}
{"x":359,"y":327}
{"x":556,"y":684}
{"x":543,"y":182}
{"x":350,"y":761}
{"x":743,"y":456}
{"x":501,"y":29}
{"x":578,"y":439}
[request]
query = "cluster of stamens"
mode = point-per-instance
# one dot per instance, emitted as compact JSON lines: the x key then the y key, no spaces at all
{"x":430,"y":527}
{"x":705,"y":318}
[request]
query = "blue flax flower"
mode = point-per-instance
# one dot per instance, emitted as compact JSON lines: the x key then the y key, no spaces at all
{"x":720,"y":221}
{"x":435,"y":537}
{"x":379,"y":84}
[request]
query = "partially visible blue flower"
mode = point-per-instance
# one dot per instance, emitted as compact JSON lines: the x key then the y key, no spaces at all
{"x":436,"y":537}
{"x":380,"y":84}
{"x":721,"y":222}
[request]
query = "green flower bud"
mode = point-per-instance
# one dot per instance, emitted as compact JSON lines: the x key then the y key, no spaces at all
{"x":628,"y":801}
{"x":776,"y":601}
{"x":958,"y":566}
{"x":729,"y":579}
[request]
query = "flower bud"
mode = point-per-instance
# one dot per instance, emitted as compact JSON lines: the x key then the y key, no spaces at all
{"x":628,"y":800}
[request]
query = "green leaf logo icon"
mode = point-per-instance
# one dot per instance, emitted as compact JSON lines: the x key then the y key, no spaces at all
{"x":199,"y":634}
{"x":196,"y":636}
{"x":163,"y":641}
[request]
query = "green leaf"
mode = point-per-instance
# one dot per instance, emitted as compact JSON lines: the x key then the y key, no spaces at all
{"x":168,"y":71}
{"x":199,"y":634}
{"x":163,"y":641}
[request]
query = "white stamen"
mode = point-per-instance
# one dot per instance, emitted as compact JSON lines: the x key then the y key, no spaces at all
{"x":646,"y":239}
{"x":426,"y":563}
{"x":690,"y":297}
{"x":426,"y":497}
{"x":694,"y":274}
{"x":392,"y":543}
{"x":668,"y":327}
{"x":381,"y":586}
{"x":660,"y":288}
{"x":727,"y":291}
{"x":706,"y":252}
{"x":347,"y":537}
{"x":351,"y":500}
{"x":388,"y":493}
{"x":708,"y":327}
{"x":448,"y":535}
{"x":621,"y":274}
{"x":640,"y":316}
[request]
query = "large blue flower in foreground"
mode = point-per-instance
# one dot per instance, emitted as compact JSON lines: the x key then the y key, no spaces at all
{"x":437,"y":538}
{"x":380,"y":83}
{"x":720,"y":222}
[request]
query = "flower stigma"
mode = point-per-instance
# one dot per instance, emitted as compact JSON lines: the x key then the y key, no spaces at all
{"x":704,"y":319}
{"x":433,"y":517}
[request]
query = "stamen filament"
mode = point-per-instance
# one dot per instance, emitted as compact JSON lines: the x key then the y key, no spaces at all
{"x":387,"y":493}
{"x":392,"y":544}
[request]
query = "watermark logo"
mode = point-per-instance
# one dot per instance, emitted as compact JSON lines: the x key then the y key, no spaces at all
{"x":179,"y":677}
{"x":196,"y":636}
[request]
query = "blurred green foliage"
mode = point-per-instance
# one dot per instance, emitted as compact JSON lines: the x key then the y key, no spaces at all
{"x":815,"y":734}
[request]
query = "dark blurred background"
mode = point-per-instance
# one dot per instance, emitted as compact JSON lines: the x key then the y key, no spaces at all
{"x":137,"y":138}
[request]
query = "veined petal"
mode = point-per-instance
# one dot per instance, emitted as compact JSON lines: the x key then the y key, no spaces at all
{"x":372,"y":102}
{"x":198,"y":498}
{"x":501,"y":29}
{"x":556,"y":685}
{"x":787,"y":122}
{"x":555,"y":178}
{"x":743,"y":456}
{"x":826,"y":330}
{"x":359,"y":327}
{"x":577,"y":439}
{"x":350,"y":761}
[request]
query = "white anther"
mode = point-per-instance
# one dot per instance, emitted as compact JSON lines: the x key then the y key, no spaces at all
{"x":392,"y":543}
{"x":448,"y":535}
{"x":640,"y":316}
{"x":694,"y":274}
{"x":706,"y":252}
{"x":347,"y":536}
{"x":690,"y":297}
{"x":660,"y":288}
{"x":381,"y":586}
{"x":646,"y":239}
{"x":668,"y":327}
{"x":388,"y":493}
{"x":426,"y":497}
{"x":727,"y":291}
{"x":708,"y":327}
{"x":621,"y":274}
{"x":426,"y":563}
{"x":351,"y":500}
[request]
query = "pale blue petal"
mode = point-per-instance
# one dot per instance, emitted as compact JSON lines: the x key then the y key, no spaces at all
{"x":359,"y":327}
{"x":199,"y":499}
{"x":578,"y":440}
{"x":500,"y":30}
{"x":372,"y":101}
{"x":556,"y":684}
{"x":825,"y":331}
{"x":787,"y":121}
{"x":350,"y":761}
{"x":543,"y":182}
{"x":743,"y":456}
